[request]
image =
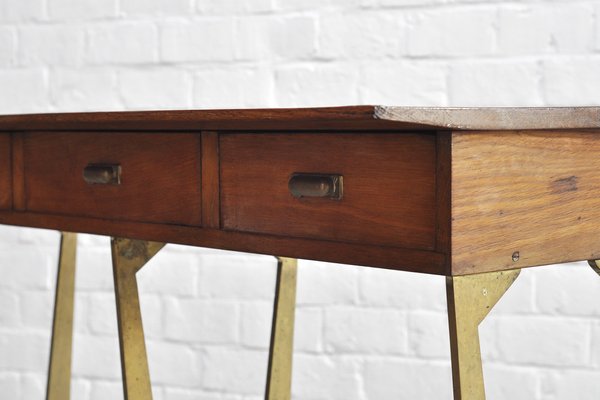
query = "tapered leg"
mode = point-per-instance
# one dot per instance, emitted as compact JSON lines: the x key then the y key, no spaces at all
{"x":59,"y":370}
{"x":129,"y":256}
{"x":470,"y":299}
{"x":279,"y":376}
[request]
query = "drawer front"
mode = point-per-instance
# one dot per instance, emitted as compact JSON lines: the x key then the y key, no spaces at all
{"x":387,"y":193}
{"x":159,"y":175}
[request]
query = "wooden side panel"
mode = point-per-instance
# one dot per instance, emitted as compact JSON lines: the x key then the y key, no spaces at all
{"x":160,"y":179}
{"x":443,"y":191}
{"x":388,"y":185}
{"x":5,"y":172}
{"x":211,"y":217}
{"x":524,"y":198}
{"x":18,"y":172}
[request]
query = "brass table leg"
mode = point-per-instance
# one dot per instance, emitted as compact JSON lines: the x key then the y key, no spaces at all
{"x":279,"y":376}
{"x":129,"y":256}
{"x":59,"y":370}
{"x":470,"y":299}
{"x":595,"y":264}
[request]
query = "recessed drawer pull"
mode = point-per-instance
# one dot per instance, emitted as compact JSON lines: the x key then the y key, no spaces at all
{"x":316,"y":185}
{"x":102,"y":174}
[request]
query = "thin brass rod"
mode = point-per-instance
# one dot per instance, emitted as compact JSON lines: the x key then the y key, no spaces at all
{"x":59,"y":369}
{"x":279,"y":375}
{"x":470,"y":299}
{"x":129,"y":256}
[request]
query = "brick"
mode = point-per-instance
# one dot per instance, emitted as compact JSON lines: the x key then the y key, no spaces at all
{"x":51,"y":45}
{"x":8,"y":47}
{"x":428,"y":335}
{"x":10,"y":385}
{"x":21,"y":10}
{"x":235,"y":371}
{"x":228,"y":7}
{"x":37,"y":308}
{"x":82,"y":9}
{"x":27,"y":268}
{"x":564,"y":384}
{"x":452,"y":32}
{"x":568,"y":289}
{"x":402,"y":290}
{"x":266,"y":37}
{"x":308,"y":330}
{"x":201,"y":321}
{"x":173,"y":364}
{"x":233,"y":87}
{"x":24,"y":351}
{"x":323,"y":377}
{"x":326,"y":84}
{"x":33,"y":386}
{"x":543,"y":341}
{"x":187,"y":394}
{"x":38,"y":237}
{"x":155,"y":89}
{"x":404,"y":83}
{"x":467,"y":80}
{"x":27,"y":88}
{"x":370,"y":331}
{"x":403,"y":3}
{"x":237,"y":277}
{"x":398,"y":379}
{"x":123,"y":43}
{"x":256,"y":320}
{"x":101,"y":390}
{"x":97,"y":274}
{"x":520,"y":297}
{"x":101,"y":313}
{"x":203,"y":40}
{"x":510,"y":382}
{"x":10,"y":315}
{"x":571,"y":81}
{"x":84,"y":90}
{"x":156,"y":7}
{"x":80,"y":389}
{"x":170,"y":273}
{"x":545,"y":28}
{"x":362,"y":35}
{"x":96,"y":357}
{"x":326,"y":283}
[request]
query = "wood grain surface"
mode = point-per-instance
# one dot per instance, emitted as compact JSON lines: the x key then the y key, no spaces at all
{"x":160,"y":176}
{"x":531,"y":196}
{"x":5,"y":172}
{"x":389,"y":187}
{"x":211,"y":215}
{"x":345,"y":253}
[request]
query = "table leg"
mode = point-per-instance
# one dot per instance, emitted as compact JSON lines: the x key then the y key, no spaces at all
{"x":470,"y":299}
{"x":279,"y":376}
{"x":129,"y":256}
{"x":59,"y":370}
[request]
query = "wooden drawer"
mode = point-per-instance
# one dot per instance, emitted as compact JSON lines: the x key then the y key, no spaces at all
{"x":160,"y":175}
{"x":388,"y":186}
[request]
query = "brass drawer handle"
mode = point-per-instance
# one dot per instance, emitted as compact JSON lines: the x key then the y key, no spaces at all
{"x":316,"y":185}
{"x":102,"y":174}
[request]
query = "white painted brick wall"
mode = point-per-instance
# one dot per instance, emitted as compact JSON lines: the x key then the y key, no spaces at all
{"x":361,"y":334}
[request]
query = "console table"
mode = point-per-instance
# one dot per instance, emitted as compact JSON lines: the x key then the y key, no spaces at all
{"x":474,"y":194}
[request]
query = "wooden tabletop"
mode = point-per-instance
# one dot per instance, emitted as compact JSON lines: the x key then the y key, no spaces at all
{"x":350,"y":117}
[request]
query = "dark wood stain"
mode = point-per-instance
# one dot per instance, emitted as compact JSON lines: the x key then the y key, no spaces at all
{"x":564,"y":185}
{"x":160,"y":176}
{"x":389,"y":187}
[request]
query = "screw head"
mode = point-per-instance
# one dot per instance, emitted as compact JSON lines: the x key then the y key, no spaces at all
{"x":516,"y":256}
